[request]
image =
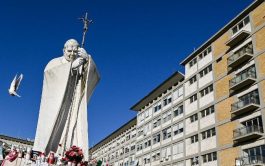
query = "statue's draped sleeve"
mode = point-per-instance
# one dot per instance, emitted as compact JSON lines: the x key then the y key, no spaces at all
{"x":54,"y":87}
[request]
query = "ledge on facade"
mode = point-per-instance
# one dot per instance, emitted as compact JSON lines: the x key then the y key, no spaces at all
{"x":247,"y":133}
{"x":18,"y":140}
{"x":114,"y":134}
{"x":237,"y":38}
{"x":242,"y":84}
{"x":171,"y":81}
{"x":243,"y":58}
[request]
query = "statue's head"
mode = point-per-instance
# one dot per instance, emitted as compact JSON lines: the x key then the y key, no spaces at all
{"x":70,"y":49}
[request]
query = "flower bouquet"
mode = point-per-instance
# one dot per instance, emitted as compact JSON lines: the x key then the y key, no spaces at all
{"x":74,"y":155}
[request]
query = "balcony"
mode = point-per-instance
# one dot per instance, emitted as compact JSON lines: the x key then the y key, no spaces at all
{"x":246,"y":78}
{"x":247,"y":133}
{"x":243,"y":34}
{"x":250,"y":161}
{"x":247,"y":104}
{"x":242,"y":55}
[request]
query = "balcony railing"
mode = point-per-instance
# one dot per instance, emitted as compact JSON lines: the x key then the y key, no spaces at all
{"x":247,"y":130}
{"x":240,"y":56}
{"x":245,"y":103}
{"x":250,"y":160}
{"x":243,"y":79}
{"x":240,"y":36}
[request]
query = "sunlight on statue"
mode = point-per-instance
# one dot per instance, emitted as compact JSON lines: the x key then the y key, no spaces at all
{"x":68,"y":84}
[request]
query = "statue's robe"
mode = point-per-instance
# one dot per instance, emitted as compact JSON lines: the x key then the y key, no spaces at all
{"x":63,"y":110}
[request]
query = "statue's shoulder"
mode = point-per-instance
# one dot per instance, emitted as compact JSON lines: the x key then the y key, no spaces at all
{"x":53,"y":63}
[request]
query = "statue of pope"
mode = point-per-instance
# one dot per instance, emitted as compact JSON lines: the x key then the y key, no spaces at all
{"x":68,"y":84}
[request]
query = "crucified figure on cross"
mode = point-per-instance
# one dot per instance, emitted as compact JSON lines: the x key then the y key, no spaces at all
{"x":86,"y":22}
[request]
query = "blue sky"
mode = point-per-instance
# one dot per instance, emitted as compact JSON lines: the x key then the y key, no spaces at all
{"x":136,"y":45}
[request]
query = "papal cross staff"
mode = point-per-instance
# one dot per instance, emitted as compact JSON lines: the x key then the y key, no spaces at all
{"x":85,"y":28}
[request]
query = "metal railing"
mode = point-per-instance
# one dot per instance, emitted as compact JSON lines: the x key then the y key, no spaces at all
{"x":240,"y":53}
{"x":244,"y":102}
{"x":250,"y":160}
{"x":241,"y":77}
{"x":247,"y":130}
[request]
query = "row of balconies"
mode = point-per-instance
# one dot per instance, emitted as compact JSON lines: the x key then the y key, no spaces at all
{"x":242,"y":55}
{"x":248,"y":103}
{"x":247,"y":133}
{"x":245,"y":78}
{"x":250,"y":161}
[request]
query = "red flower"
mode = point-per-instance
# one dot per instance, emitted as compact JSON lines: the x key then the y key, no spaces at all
{"x":74,"y":154}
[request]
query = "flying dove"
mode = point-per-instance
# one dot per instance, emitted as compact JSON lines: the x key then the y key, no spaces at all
{"x":14,"y":85}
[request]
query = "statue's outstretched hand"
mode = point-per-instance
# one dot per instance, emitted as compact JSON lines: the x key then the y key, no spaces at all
{"x":78,"y":62}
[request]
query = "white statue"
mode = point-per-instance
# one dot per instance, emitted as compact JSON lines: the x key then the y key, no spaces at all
{"x":67,"y":86}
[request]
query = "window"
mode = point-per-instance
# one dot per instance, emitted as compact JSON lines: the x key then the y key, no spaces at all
{"x":167,"y":100}
{"x":147,"y":143}
{"x":193,"y":62}
{"x":140,"y":132}
{"x":132,"y":147}
{"x":180,"y":91}
{"x":148,"y":112}
{"x":167,"y":116}
{"x":178,"y":128}
{"x":177,"y":111}
{"x":193,"y":79}
{"x":139,"y":147}
{"x":178,"y":148}
{"x":193,"y":98}
{"x":257,"y":121}
{"x":255,"y":152}
{"x":205,"y":53}
{"x":156,"y":123}
{"x":156,"y":156}
{"x":146,"y":159}
{"x":156,"y":138}
{"x":127,"y":150}
{"x":194,"y":161}
{"x":209,"y":157}
{"x":128,"y":137}
{"x":240,"y":25}
{"x":206,"y":71}
{"x":206,"y":90}
{"x":147,"y":128}
{"x":208,"y":133}
{"x":207,"y":111}
{"x":133,"y":133}
{"x":140,"y":117}
{"x":166,"y":133}
{"x":194,"y":138}
{"x":166,"y":153}
{"x":177,"y":93}
{"x":193,"y":118}
{"x":157,"y":107}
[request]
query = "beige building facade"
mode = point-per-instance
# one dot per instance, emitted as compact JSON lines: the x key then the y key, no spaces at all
{"x":214,"y":114}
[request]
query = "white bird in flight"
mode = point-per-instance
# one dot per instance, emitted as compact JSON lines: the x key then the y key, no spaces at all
{"x":14,"y":85}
